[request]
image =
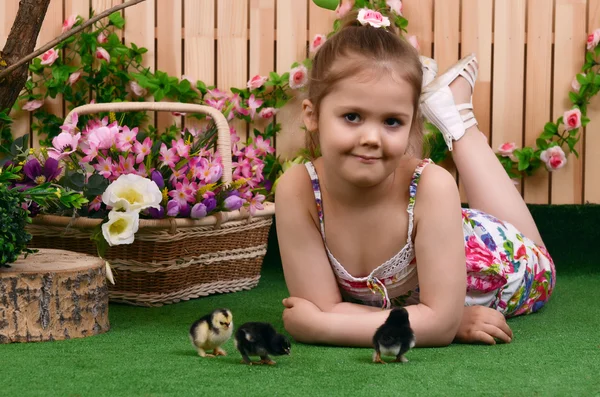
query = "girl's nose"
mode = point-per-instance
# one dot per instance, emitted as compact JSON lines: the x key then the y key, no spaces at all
{"x":370,"y":136}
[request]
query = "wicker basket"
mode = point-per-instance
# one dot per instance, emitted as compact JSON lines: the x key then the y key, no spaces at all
{"x":171,"y":259}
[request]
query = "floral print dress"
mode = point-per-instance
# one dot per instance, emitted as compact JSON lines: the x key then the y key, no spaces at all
{"x":506,"y":271}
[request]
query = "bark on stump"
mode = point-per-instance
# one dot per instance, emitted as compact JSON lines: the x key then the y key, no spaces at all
{"x":53,"y":295}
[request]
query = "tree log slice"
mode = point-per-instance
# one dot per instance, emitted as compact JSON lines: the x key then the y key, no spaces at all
{"x":53,"y":295}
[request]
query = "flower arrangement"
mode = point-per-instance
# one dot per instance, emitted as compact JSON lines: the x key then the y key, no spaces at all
{"x":26,"y":188}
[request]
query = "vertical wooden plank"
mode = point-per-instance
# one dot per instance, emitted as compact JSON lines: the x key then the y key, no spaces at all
{"x":291,"y":47}
{"x":8,"y":12}
{"x":420,"y":23}
{"x":168,"y":49}
{"x":139,"y":29}
{"x":82,"y":9}
{"x":262,"y":46}
{"x":262,"y":37}
{"x":51,"y":28}
{"x":100,"y":5}
{"x":232,"y":50}
{"x":592,"y":130}
{"x":446,"y":39}
{"x":569,"y":46}
{"x":538,"y":90}
{"x":320,"y":20}
{"x":509,"y":71}
{"x":199,"y":45}
{"x":476,"y":37}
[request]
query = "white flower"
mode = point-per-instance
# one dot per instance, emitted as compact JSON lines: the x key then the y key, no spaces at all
{"x":121,"y":227}
{"x":373,"y":18}
{"x":132,"y":192}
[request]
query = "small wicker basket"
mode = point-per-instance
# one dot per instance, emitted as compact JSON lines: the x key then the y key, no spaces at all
{"x":171,"y":259}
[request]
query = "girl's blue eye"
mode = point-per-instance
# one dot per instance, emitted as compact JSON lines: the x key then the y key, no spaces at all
{"x":393,"y":122}
{"x":352,"y":117}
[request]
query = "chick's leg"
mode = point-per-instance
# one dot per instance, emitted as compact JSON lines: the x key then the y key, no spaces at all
{"x":266,"y":360}
{"x":245,"y":359}
{"x":219,"y":352}
{"x":400,"y":357}
{"x":377,"y":357}
{"x":202,"y":353}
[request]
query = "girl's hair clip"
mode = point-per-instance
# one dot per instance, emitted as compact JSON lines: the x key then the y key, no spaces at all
{"x":373,"y":18}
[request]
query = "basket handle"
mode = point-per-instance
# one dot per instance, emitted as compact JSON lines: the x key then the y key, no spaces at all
{"x":223,"y":137}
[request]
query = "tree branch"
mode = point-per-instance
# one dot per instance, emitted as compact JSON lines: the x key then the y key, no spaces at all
{"x":66,"y":35}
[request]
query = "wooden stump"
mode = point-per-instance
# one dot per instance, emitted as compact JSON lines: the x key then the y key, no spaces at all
{"x":53,"y":295}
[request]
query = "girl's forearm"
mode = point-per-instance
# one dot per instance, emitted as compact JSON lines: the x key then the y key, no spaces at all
{"x":350,"y":325}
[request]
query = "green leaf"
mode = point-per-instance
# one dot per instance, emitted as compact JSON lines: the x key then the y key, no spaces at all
{"x":116,"y":19}
{"x":96,"y":185}
{"x":573,"y":97}
{"x":541,"y":143}
{"x":550,"y":129}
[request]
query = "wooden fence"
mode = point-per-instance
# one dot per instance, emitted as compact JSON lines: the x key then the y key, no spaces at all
{"x":528,"y":51}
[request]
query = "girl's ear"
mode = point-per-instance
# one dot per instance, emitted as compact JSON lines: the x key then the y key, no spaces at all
{"x":309,"y":115}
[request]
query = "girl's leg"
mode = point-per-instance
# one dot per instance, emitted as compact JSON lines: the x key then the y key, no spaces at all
{"x":486,"y":183}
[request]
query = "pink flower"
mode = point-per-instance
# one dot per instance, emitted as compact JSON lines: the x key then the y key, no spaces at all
{"x":317,"y":42}
{"x":96,"y":203}
{"x":343,"y":8}
{"x":554,"y":158}
{"x":102,"y":38}
{"x":507,"y":149}
{"x":593,"y":39}
{"x":183,"y":192}
{"x":168,"y":156}
{"x":575,"y":84}
{"x":63,"y":145}
{"x":136,"y":89}
{"x":32,"y":105}
{"x":104,"y":167}
{"x":395,"y":5}
{"x":182,"y":149}
{"x":142,"y":149}
{"x":253,"y":104}
{"x":256,"y":203}
{"x":373,"y":18}
{"x":414,"y":42}
{"x":216,"y":94}
{"x":256,"y":82}
{"x":126,"y":165}
{"x":49,"y":57}
{"x":68,"y":23}
{"x":267,"y":113}
{"x":479,"y":262}
{"x":263,"y":146}
{"x":298,"y":77}
{"x":572,"y":119}
{"x":126,"y":138}
{"x":102,"y":137}
{"x":74,"y":77}
{"x":217,"y":104}
{"x":102,"y":54}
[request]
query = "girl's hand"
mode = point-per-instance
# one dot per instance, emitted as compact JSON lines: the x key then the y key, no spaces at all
{"x":300,"y":319}
{"x":482,"y":324}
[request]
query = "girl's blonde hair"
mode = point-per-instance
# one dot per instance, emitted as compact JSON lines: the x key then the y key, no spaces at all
{"x":366,"y":49}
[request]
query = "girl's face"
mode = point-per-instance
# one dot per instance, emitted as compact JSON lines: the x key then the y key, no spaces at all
{"x":364,"y":125}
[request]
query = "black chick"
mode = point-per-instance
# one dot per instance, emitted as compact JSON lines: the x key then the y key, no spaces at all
{"x":394,"y":337}
{"x":260,"y":339}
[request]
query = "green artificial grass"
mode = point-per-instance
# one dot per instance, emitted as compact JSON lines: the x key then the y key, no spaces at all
{"x":555,"y":352}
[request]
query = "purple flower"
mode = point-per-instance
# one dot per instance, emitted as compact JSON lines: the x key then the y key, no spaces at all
{"x":157,"y":213}
{"x":172,"y":208}
{"x":158,"y":179}
{"x":210,"y":204}
{"x":37,"y":174}
{"x":268,"y":185}
{"x":184,"y":210}
{"x":233,"y":203}
{"x":199,"y":211}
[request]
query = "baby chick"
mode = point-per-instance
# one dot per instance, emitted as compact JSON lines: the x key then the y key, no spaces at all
{"x":260,"y":339}
{"x":211,"y":331}
{"x":394,"y":337}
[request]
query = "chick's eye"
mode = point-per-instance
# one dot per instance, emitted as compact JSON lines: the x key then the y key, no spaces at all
{"x":393,"y":122}
{"x":352,"y":117}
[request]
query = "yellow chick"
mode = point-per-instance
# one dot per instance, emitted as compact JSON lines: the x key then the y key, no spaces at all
{"x":211,"y":331}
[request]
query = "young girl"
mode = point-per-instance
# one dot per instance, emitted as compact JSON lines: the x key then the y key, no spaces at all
{"x":368,"y":225}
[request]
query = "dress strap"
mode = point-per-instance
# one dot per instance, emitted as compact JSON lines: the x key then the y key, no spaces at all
{"x":312,"y":172}
{"x":413,"y":194}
